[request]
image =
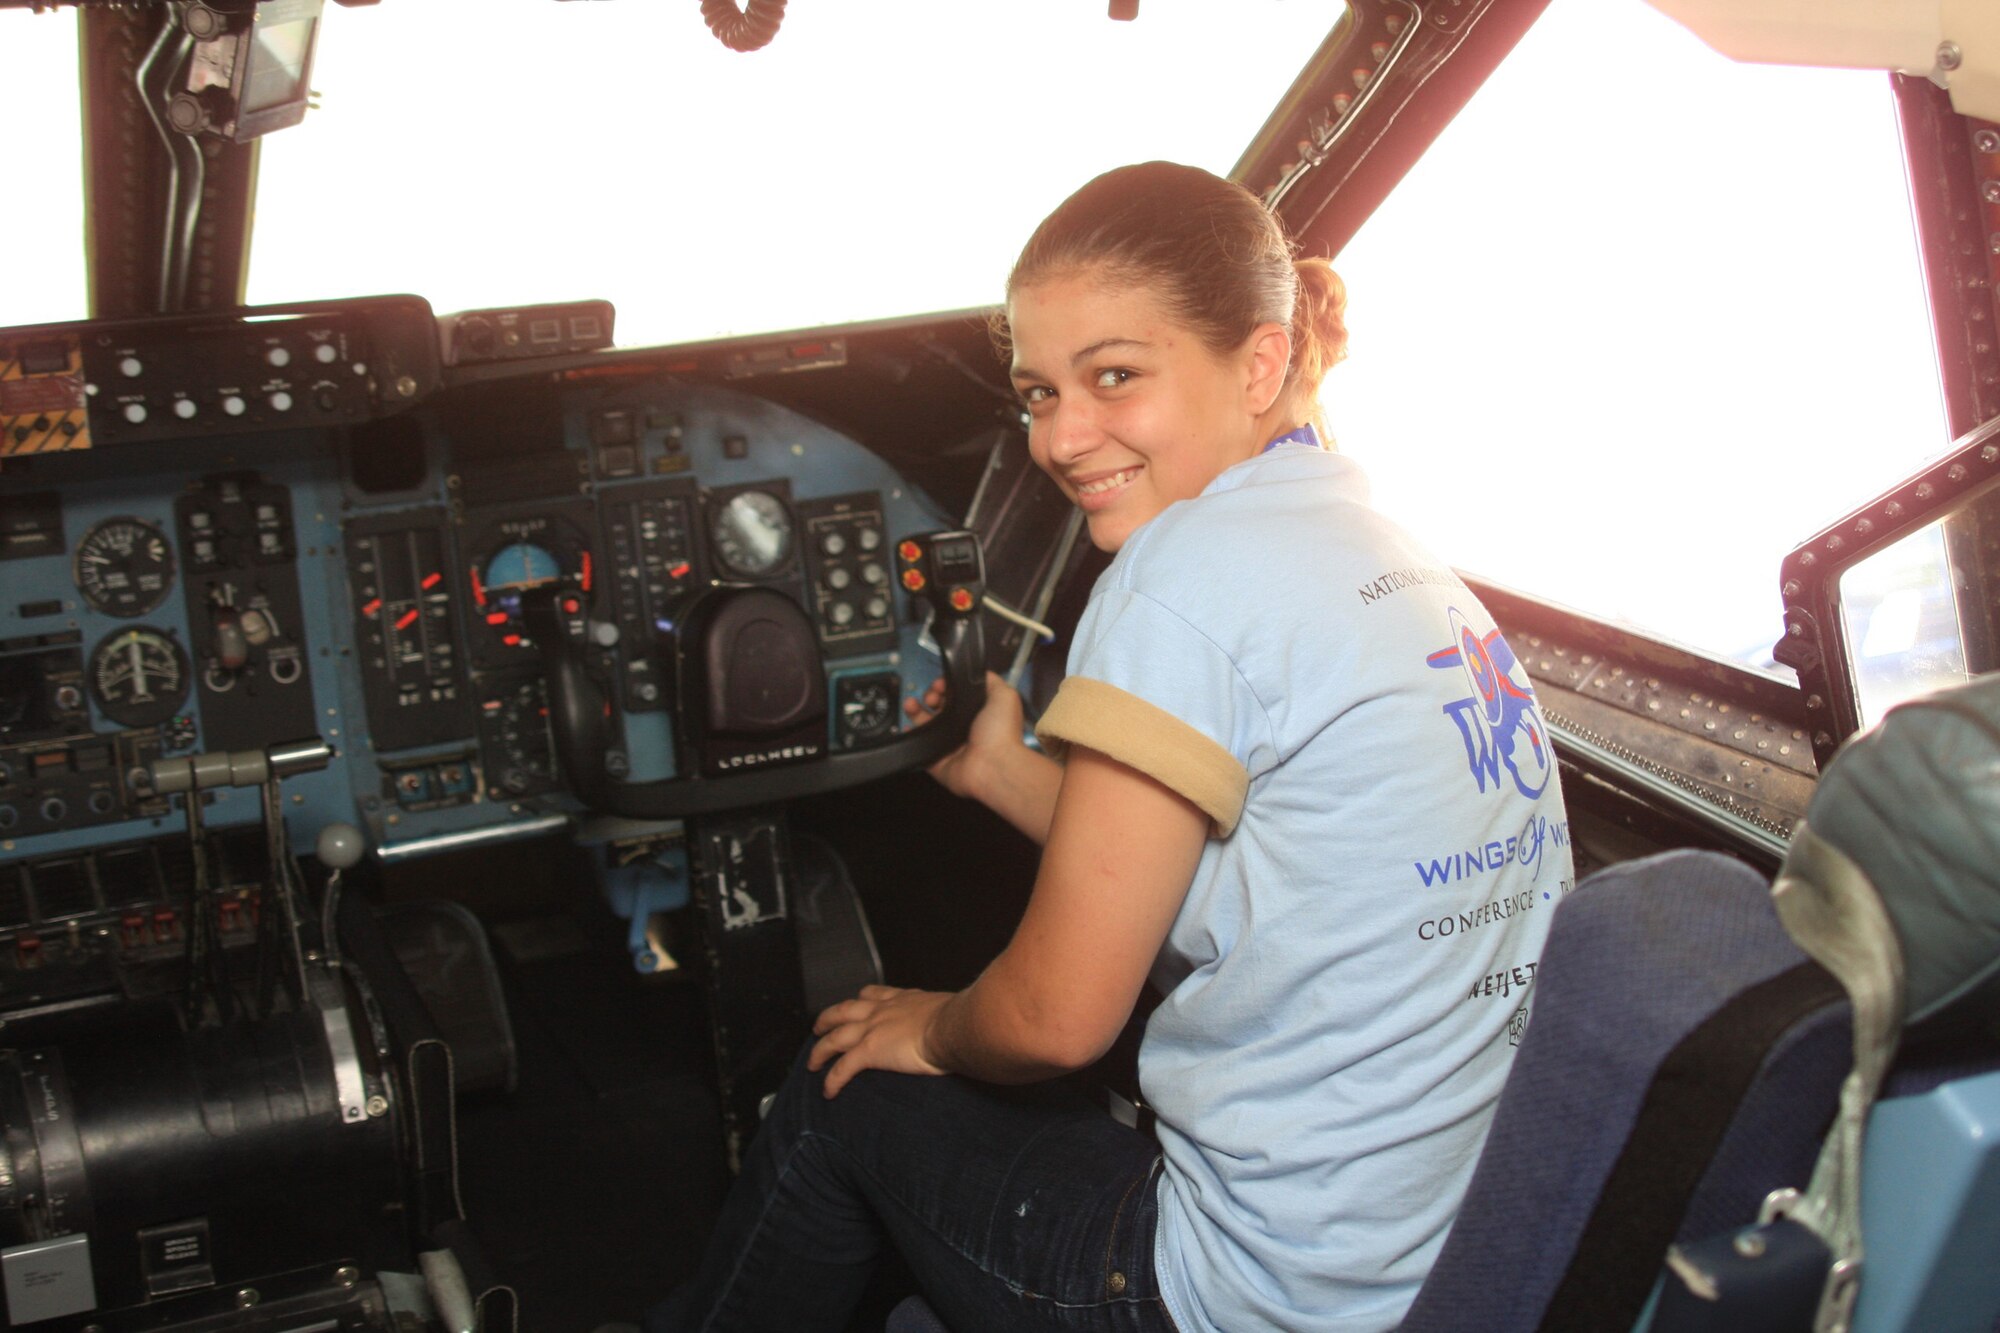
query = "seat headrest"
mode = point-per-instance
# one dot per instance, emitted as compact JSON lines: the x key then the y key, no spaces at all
{"x":1915,"y":802}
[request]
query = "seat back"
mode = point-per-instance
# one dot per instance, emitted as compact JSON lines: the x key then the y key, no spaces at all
{"x":1683,"y":1058}
{"x":1893,"y":883}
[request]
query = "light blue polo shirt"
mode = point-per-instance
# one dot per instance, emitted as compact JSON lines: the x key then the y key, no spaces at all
{"x":1350,"y":972}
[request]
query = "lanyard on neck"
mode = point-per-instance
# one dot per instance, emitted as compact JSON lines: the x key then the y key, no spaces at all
{"x":1305,"y":435}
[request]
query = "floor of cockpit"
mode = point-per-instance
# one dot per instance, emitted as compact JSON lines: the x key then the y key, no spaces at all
{"x":594,"y":1184}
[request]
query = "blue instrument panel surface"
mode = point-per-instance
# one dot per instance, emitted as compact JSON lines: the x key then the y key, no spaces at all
{"x":367,"y":587}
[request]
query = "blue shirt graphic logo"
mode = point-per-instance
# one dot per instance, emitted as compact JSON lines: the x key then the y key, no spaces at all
{"x":1497,"y":721}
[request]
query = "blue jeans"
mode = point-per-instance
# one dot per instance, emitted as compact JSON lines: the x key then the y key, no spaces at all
{"x":1015,"y":1207}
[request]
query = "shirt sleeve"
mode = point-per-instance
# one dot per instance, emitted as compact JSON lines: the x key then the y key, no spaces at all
{"x":1153,"y":692}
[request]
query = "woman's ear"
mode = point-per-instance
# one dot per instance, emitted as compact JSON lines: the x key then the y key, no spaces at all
{"x":1270,"y":349}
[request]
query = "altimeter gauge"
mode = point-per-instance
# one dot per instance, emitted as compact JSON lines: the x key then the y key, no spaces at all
{"x":124,"y":566}
{"x":139,"y":677}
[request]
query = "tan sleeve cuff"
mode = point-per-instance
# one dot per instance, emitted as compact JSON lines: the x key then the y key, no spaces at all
{"x":1144,"y":736}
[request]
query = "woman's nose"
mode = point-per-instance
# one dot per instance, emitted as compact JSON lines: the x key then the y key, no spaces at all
{"x":1070,"y":432}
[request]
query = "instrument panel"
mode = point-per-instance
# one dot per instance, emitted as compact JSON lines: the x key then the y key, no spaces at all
{"x":366,"y":578}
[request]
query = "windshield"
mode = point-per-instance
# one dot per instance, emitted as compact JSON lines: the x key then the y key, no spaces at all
{"x":1595,"y":333}
{"x":873,"y":160}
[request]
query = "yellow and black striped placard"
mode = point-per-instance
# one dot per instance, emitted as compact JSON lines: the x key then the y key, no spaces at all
{"x":42,"y":397}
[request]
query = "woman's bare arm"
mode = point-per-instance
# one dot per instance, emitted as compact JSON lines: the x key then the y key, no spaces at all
{"x":1121,"y":853}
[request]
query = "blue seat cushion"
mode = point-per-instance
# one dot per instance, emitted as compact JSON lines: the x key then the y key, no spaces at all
{"x":1592,"y":1167}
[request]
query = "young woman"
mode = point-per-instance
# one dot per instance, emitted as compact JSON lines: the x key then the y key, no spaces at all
{"x":1293,"y":775}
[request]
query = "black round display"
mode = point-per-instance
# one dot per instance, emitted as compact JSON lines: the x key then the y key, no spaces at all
{"x":124,"y":566}
{"x":139,"y":676}
{"x":867,"y":707}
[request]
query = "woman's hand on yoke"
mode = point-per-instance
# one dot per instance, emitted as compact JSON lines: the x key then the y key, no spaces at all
{"x":883,"y":1027}
{"x":995,"y":766}
{"x":997,"y":730}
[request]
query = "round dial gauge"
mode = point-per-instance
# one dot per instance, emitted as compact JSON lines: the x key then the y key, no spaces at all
{"x":139,"y":677}
{"x":753,"y":534}
{"x":867,"y":707}
{"x":124,"y":566}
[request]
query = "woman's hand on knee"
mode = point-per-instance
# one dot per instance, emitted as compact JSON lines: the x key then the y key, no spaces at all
{"x":883,"y":1027}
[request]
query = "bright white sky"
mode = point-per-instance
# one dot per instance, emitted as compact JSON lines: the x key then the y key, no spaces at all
{"x":1640,"y":322}
{"x":875,"y":159}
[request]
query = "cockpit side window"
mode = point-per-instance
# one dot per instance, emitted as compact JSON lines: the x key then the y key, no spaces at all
{"x":44,"y":169}
{"x":1640,"y":321}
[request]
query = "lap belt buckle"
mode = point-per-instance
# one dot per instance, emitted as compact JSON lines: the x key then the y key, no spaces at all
{"x":1843,"y":1277}
{"x":1779,"y":1275}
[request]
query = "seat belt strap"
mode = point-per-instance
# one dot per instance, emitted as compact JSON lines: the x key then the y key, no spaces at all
{"x":1688,"y":1107}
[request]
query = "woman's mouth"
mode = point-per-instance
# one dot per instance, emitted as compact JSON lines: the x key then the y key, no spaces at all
{"x":1099,"y":492}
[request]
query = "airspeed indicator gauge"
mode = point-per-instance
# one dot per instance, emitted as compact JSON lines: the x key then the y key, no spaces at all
{"x":138,"y":677}
{"x":752,"y":531}
{"x":124,"y":567}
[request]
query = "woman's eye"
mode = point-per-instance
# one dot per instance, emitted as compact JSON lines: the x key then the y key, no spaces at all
{"x":1113,"y":377}
{"x":1036,"y":393}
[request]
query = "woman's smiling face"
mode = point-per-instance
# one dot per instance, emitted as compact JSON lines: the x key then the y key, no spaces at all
{"x":1129,"y":409}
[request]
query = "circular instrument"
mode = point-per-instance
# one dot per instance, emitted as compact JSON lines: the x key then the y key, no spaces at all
{"x":139,"y":677}
{"x":867,"y":707}
{"x":124,"y":566}
{"x":752,"y":531}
